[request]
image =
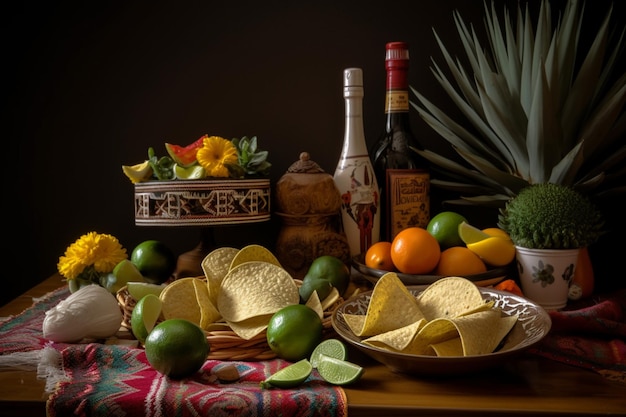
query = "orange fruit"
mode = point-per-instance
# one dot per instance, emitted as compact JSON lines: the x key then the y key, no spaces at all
{"x":459,"y":261}
{"x":378,"y":256}
{"x":415,"y":251}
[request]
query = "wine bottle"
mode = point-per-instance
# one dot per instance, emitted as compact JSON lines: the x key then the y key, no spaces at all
{"x":354,"y":175}
{"x":402,"y":174}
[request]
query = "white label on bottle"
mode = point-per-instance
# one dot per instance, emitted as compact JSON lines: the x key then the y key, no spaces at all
{"x":360,"y":212}
{"x":408,"y":199}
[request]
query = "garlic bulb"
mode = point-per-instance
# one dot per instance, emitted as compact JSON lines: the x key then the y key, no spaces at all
{"x":91,"y":312}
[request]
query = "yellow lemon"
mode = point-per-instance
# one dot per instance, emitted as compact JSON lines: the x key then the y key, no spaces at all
{"x":495,"y":231}
{"x":494,"y":250}
{"x":139,"y":172}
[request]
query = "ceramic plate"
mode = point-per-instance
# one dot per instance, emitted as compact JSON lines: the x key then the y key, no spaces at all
{"x":491,"y":277}
{"x":533,"y":325}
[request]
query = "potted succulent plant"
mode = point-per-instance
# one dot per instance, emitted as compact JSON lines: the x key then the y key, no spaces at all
{"x":537,"y":107}
{"x":549,"y":224}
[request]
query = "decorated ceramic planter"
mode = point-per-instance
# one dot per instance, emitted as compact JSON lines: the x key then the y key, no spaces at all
{"x":202,"y":202}
{"x":546,"y":274}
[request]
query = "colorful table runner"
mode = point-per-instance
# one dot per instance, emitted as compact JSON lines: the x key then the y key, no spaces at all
{"x":590,"y":335}
{"x":100,"y":379}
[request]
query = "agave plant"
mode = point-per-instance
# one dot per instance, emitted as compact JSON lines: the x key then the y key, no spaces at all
{"x":536,"y":114}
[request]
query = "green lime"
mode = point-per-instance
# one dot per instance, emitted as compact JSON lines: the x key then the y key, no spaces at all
{"x":138,"y":290}
{"x":445,"y":228}
{"x":332,"y":269}
{"x":334,"y":348}
{"x":470,"y":234}
{"x":310,"y":284}
{"x":144,"y":316}
{"x":176,"y":348}
{"x":290,"y":376}
{"x":337,"y":371}
{"x":155,"y":260}
{"x":123,"y":273}
{"x":294,"y":331}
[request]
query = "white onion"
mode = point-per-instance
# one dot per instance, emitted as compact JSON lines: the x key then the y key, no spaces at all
{"x":91,"y":312}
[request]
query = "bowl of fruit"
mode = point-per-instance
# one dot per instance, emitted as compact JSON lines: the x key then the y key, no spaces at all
{"x":448,"y":246}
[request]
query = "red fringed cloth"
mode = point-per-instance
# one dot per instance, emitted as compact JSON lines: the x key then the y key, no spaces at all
{"x":114,"y":380}
{"x":118,"y":380}
{"x":592,"y":336}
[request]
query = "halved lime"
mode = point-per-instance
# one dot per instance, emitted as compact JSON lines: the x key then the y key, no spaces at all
{"x":290,"y":376}
{"x":144,"y":316}
{"x":334,"y":348}
{"x":471,"y":234}
{"x":138,"y":290}
{"x":337,"y":371}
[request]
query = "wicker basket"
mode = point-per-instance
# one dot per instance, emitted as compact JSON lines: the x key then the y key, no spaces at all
{"x":226,"y":344}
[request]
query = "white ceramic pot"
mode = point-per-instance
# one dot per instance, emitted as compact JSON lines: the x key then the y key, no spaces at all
{"x":546,"y":274}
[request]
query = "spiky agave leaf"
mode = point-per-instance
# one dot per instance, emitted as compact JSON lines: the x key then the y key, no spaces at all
{"x":532,"y":115}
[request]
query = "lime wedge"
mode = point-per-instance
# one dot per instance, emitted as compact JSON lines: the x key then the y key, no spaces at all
{"x":144,"y":316}
{"x":470,"y":234}
{"x":138,"y":290}
{"x":193,"y":172}
{"x":334,"y":348}
{"x":337,"y":371}
{"x":290,"y":376}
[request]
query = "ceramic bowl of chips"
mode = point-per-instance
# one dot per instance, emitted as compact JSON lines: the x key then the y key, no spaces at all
{"x":491,"y":277}
{"x":450,"y":327}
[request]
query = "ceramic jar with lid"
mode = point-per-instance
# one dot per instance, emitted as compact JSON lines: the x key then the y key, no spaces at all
{"x":309,"y":206}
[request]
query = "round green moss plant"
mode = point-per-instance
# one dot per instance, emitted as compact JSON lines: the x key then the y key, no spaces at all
{"x":551,"y":216}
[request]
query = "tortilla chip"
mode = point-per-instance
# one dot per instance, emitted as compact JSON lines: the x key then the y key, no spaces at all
{"x":215,"y":266}
{"x":478,"y":332}
{"x":449,"y":297}
{"x":451,"y":347}
{"x":247,"y":329}
{"x":433,"y":332}
{"x":179,"y":300}
{"x":391,"y":307}
{"x":208,"y":312}
{"x":315,"y":304}
{"x":397,"y":339}
{"x":253,"y":253}
{"x":254,"y":289}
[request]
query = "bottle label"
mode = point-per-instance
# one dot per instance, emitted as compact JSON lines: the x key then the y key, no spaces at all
{"x":408,"y":199}
{"x":397,"y":101}
{"x":356,"y":183}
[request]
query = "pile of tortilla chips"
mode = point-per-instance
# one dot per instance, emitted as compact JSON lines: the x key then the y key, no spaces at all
{"x":241,"y":290}
{"x":448,"y":318}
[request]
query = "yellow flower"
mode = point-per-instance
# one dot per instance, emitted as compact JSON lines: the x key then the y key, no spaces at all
{"x":215,"y":154}
{"x":91,"y":253}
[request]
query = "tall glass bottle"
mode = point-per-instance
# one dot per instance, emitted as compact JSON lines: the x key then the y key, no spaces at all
{"x":402,"y":174}
{"x":354,"y":175}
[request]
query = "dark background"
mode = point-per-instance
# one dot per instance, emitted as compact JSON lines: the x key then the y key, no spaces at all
{"x":88,"y":87}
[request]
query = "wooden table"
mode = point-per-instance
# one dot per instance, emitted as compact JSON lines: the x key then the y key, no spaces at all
{"x":529,"y":385}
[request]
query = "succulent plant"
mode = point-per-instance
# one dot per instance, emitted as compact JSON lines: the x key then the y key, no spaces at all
{"x":537,"y":111}
{"x":551,"y":216}
{"x":251,"y":160}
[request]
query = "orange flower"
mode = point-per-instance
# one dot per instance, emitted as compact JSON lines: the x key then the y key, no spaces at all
{"x":215,"y":154}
